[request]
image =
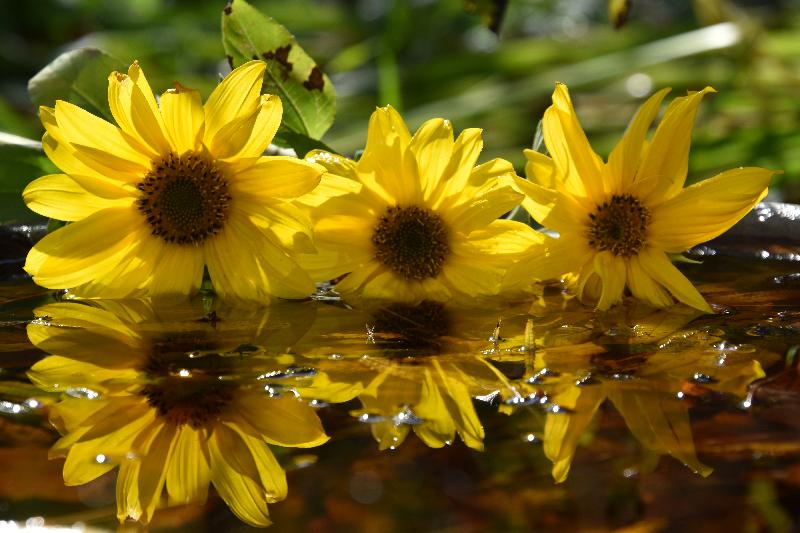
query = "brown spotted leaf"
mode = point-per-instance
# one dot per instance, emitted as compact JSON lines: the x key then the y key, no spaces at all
{"x":309,"y":100}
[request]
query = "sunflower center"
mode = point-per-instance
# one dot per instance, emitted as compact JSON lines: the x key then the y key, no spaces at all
{"x":184,"y":198}
{"x":412,"y":241}
{"x":420,"y":326}
{"x":195,"y":400}
{"x":619,"y":225}
{"x":184,"y":389}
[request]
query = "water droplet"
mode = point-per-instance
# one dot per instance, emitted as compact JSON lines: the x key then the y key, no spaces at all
{"x":12,"y":408}
{"x":102,"y":459}
{"x":588,"y":379}
{"x":32,"y":403}
{"x":788,"y":278}
{"x":369,"y":418}
{"x":530,"y":437}
{"x":184,"y":373}
{"x":702,"y":379}
{"x":83,"y":393}
{"x":336,"y":356}
{"x":319,"y":404}
{"x":558,"y":409}
{"x":759,"y":330}
{"x":541,"y":375}
{"x":622,"y":376}
{"x":680,"y":396}
{"x":630,"y":472}
{"x":290,"y":371}
{"x":406,"y":417}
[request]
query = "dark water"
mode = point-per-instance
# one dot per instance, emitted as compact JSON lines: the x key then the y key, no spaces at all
{"x":523,"y":416}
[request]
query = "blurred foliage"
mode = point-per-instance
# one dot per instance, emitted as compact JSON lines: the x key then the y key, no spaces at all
{"x":442,"y":59}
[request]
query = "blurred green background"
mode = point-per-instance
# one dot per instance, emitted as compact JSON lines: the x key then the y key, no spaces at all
{"x":440,"y":58}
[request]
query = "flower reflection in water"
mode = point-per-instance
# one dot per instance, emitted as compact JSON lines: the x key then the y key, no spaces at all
{"x":416,"y":371}
{"x":650,"y":371}
{"x":171,"y":410}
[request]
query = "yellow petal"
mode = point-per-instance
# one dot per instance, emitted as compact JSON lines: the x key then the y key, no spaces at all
{"x":133,"y":273}
{"x":135,"y":109}
{"x":438,"y":427}
{"x":612,"y":271}
{"x":70,"y":161}
{"x":540,"y":169}
{"x":558,"y":257}
{"x":562,"y":430}
{"x":707,"y":209}
{"x":461,"y":170}
{"x":483,"y":206}
{"x":277,"y":177}
{"x":387,"y":159}
{"x":577,"y":164}
{"x":59,"y":196}
{"x":236,"y":476}
{"x":643,"y":287}
{"x":285,"y":421}
{"x":656,"y":265}
{"x":663,"y":170}
{"x":188,"y":473}
{"x":432,"y":145}
{"x":83,"y":250}
{"x":236,"y":97}
{"x":119,"y":431}
{"x":661,"y":424}
{"x":153,"y":469}
{"x":182,"y":112}
{"x":100,"y":141}
{"x":248,"y":137}
{"x":624,"y":159}
{"x":178,"y":271}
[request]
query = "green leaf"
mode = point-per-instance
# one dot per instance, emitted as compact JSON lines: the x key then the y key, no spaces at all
{"x":78,"y":76}
{"x":300,"y":143}
{"x":309,"y":100}
{"x":21,"y":161}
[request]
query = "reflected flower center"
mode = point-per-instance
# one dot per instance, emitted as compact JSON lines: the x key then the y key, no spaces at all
{"x":189,"y":400}
{"x":184,"y":198}
{"x":412,"y":241}
{"x":416,"y":326}
{"x":619,"y":226}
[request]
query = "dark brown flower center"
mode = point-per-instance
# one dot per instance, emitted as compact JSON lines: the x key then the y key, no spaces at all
{"x":189,"y":399}
{"x":184,"y":387}
{"x":184,"y":198}
{"x":420,"y":326}
{"x":619,"y":226}
{"x":412,"y":241}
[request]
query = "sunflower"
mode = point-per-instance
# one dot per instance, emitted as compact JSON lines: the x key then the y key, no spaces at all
{"x":176,"y":187}
{"x":171,"y":423}
{"x":414,"y":218}
{"x":618,"y":221}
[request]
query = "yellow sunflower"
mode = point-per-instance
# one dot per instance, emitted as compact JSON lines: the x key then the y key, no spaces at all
{"x":171,"y":423}
{"x":176,"y":187}
{"x":414,"y":218}
{"x":618,"y":221}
